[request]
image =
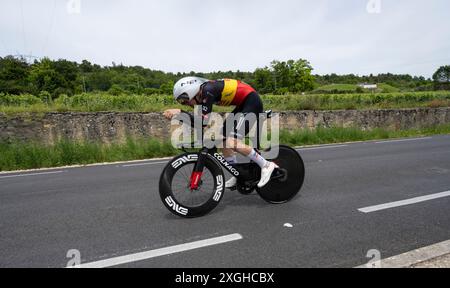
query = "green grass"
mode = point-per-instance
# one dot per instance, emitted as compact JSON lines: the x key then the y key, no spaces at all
{"x":337,"y":87}
{"x":340,"y":135}
{"x":19,"y":155}
{"x":90,"y":102}
{"x":96,"y":102}
{"x":357,"y":101}
{"x":386,"y":88}
{"x":353,"y":88}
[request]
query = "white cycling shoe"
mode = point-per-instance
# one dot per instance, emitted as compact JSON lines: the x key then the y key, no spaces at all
{"x":231,"y":183}
{"x":266,"y":173}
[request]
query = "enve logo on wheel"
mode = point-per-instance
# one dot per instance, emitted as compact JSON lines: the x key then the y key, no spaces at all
{"x":176,"y":207}
{"x":190,"y":158}
{"x":219,"y":188}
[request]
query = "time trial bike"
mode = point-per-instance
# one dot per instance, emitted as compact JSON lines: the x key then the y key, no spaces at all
{"x":193,"y":183}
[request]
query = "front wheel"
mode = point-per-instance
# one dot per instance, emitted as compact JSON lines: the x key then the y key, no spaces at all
{"x":283,"y":189}
{"x":175,"y":190}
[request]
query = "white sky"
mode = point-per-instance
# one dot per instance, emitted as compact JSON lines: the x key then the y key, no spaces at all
{"x":336,"y":36}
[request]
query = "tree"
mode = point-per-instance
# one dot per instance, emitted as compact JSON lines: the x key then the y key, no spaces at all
{"x":115,"y":90}
{"x":86,"y":67}
{"x":55,"y":77}
{"x":68,"y":71}
{"x":295,"y":76}
{"x":167,"y":88}
{"x":442,"y":75}
{"x":264,"y":80}
{"x":301,"y":76}
{"x":44,"y":77}
{"x":281,"y":74}
{"x":100,"y":81}
{"x":13,"y":76}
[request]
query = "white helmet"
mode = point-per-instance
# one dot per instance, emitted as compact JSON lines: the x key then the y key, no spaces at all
{"x":188,"y":87}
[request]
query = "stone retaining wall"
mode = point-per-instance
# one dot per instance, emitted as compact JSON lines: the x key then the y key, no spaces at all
{"x":116,"y":126}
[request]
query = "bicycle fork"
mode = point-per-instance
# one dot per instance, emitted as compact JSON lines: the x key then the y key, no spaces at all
{"x":196,"y":175}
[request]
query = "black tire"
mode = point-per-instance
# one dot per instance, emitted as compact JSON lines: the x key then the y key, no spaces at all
{"x":209,"y":198}
{"x":283,"y":190}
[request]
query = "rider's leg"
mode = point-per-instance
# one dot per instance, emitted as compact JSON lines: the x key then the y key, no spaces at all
{"x":230,"y":157}
{"x":253,"y":104}
{"x":245,"y":150}
{"x":228,"y":153}
{"x":267,"y":167}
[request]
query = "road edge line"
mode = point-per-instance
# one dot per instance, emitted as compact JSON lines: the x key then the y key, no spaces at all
{"x":414,"y":257}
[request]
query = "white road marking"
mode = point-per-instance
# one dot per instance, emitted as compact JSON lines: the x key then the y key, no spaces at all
{"x":32,"y":174}
{"x":414,"y":257}
{"x":144,"y":164}
{"x":404,"y":202}
{"x":322,"y":147}
{"x":403,"y":140}
{"x":85,"y":165}
{"x":160,"y":252}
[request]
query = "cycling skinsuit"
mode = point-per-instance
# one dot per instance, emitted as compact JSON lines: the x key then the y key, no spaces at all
{"x":229,"y":92}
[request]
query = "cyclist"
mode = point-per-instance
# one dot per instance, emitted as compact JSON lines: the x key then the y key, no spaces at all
{"x":193,"y":91}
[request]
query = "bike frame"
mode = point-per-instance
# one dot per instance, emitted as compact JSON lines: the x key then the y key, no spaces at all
{"x":242,"y":171}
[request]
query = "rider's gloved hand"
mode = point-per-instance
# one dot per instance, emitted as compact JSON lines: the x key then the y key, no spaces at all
{"x":170,"y":113}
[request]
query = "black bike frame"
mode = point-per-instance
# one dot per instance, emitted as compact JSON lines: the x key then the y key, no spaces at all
{"x":242,"y":171}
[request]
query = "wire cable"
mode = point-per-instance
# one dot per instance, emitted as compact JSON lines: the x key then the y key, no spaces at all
{"x":50,"y":30}
{"x":23,"y":28}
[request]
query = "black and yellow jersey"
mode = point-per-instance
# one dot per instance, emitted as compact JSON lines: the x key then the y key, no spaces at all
{"x":225,"y":92}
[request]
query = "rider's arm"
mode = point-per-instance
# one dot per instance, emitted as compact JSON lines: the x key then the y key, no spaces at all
{"x":190,"y":115}
{"x":207,"y":105}
{"x":211,"y":94}
{"x":204,"y":115}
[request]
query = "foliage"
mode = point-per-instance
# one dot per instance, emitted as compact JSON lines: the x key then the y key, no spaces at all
{"x":28,"y":155}
{"x":353,"y":88}
{"x":281,"y":77}
{"x":102,"y":101}
{"x":442,"y":75}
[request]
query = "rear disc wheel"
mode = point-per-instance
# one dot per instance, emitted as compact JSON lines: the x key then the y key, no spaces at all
{"x":282,"y":190}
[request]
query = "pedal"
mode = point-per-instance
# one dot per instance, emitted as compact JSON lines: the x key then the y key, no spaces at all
{"x":280,"y":175}
{"x":245,"y":190}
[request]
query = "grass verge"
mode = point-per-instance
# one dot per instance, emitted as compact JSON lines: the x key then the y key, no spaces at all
{"x":340,"y":135}
{"x":19,"y":155}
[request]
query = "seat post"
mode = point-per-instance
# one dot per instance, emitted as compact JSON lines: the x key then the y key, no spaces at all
{"x":267,"y":115}
{"x":258,"y":134}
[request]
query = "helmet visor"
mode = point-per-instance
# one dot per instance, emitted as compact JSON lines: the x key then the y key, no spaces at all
{"x":183,"y":99}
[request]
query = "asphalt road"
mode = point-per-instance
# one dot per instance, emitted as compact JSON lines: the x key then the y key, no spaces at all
{"x":115,"y":210}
